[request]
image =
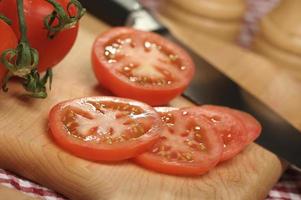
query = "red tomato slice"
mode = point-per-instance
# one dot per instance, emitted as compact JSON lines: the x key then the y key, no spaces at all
{"x":230,"y":127}
{"x":104,"y":128}
{"x":252,"y":125}
{"x":188,"y":146}
{"x":141,"y":65}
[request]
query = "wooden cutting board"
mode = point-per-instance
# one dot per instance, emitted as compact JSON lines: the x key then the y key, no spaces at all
{"x":9,"y":193}
{"x":27,"y":149}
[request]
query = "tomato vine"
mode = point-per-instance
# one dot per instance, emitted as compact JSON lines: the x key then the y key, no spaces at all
{"x":65,"y":20}
{"x":23,"y":61}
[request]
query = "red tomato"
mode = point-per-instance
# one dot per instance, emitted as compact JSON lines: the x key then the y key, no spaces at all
{"x":188,"y":146}
{"x":8,"y":40}
{"x":104,"y":128}
{"x":51,"y":51}
{"x":253,"y":127}
{"x":141,"y":65}
{"x":230,"y":127}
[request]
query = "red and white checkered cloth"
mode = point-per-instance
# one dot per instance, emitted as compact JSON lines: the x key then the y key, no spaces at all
{"x":30,"y":188}
{"x":288,"y":187}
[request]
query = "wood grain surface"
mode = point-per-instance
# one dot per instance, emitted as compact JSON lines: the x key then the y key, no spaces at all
{"x":27,"y":149}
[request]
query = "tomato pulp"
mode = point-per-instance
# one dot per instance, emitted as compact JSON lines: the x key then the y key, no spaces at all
{"x":237,"y":128}
{"x":104,"y":128}
{"x":253,"y":127}
{"x":188,"y":146}
{"x":141,"y":65}
{"x":230,"y":127}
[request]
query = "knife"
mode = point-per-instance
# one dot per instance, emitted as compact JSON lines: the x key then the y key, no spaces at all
{"x":209,"y":86}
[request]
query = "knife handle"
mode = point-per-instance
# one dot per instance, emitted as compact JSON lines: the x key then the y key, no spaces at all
{"x":124,"y":12}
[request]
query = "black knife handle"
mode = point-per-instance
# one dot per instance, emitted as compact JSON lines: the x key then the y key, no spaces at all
{"x":124,"y":12}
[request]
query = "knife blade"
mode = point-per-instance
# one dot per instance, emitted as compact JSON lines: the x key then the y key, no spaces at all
{"x":209,"y":85}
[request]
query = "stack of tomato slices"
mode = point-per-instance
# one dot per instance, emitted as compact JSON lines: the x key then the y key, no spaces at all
{"x":186,"y":141}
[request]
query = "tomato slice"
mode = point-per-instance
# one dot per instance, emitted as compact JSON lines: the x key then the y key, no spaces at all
{"x":104,"y":128}
{"x":188,"y":146}
{"x":230,"y":127}
{"x":141,"y":65}
{"x":235,"y":129}
{"x":253,"y":127}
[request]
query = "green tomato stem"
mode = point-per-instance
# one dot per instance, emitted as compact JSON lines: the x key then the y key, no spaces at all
{"x":23,"y":61}
{"x":65,"y":20}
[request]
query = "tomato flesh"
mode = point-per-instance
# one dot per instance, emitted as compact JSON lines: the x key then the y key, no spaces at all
{"x":138,"y":65}
{"x":104,"y":128}
{"x":141,"y":65}
{"x":253,"y":127}
{"x":188,"y":146}
{"x":230,"y":127}
{"x":8,"y":40}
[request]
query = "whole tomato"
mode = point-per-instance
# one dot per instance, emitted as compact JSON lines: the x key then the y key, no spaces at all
{"x":8,"y":40}
{"x":51,"y":50}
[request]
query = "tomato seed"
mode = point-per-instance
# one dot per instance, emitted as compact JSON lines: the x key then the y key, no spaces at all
{"x":202,"y":146}
{"x":147,"y":45}
{"x":126,"y":69}
{"x":109,"y":140}
{"x":215,"y":119}
{"x":173,"y":58}
{"x":187,"y":156}
{"x":155,"y":150}
{"x":183,"y":68}
{"x":184,"y":113}
{"x":197,"y":128}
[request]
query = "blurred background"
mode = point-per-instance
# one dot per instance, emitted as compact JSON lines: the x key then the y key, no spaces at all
{"x":271,"y":28}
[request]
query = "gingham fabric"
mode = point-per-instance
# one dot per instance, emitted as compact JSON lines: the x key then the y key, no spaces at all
{"x":288,"y":187}
{"x":9,"y":180}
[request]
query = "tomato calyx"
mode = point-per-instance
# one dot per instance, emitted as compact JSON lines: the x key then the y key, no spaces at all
{"x":22,"y":62}
{"x":35,"y":85}
{"x":60,"y":20}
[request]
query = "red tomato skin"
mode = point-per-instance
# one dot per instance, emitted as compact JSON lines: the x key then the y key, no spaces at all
{"x":253,"y":126}
{"x":108,"y":79}
{"x":228,"y":124}
{"x":51,"y":51}
{"x":8,"y":40}
{"x":105,"y":152}
{"x":153,"y":162}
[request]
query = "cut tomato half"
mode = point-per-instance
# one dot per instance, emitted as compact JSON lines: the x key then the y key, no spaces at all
{"x":104,"y":128}
{"x":141,"y":65}
{"x":230,"y":127}
{"x":188,"y":146}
